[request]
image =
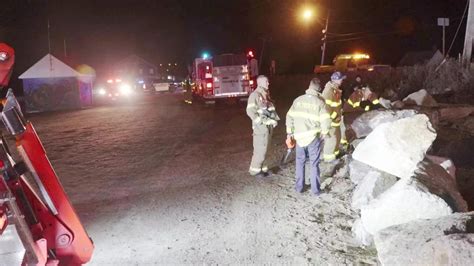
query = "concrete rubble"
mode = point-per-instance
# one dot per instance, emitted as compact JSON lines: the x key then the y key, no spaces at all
{"x":406,"y":201}
{"x":443,"y":241}
{"x":368,"y":121}
{"x":410,"y":206}
{"x":420,"y":98}
{"x":397,"y":147}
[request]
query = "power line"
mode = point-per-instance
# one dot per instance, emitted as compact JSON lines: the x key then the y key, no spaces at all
{"x":459,"y":26}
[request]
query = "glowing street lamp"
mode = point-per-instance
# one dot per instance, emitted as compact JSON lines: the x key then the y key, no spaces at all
{"x":307,"y":14}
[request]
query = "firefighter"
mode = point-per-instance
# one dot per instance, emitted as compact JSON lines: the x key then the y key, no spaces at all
{"x":361,"y":99}
{"x":332,"y":97}
{"x":264,"y":118}
{"x":370,"y":100}
{"x":307,"y":122}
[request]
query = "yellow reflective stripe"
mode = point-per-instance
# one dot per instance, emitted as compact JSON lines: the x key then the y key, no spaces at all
{"x":343,"y":141}
{"x":251,"y":105}
{"x":332,"y":103}
{"x":325,"y":132}
{"x":334,"y":115}
{"x":308,"y":133}
{"x":271,"y":108}
{"x":329,"y":157}
{"x":304,"y":115}
{"x":336,"y":153}
{"x":357,"y":104}
{"x":265,"y":169}
{"x":335,"y":124}
{"x":350,"y":102}
{"x":376,"y":101}
{"x":367,"y":108}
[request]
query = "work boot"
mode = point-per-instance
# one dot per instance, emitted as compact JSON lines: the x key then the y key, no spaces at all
{"x":261,"y":175}
{"x":268,"y":173}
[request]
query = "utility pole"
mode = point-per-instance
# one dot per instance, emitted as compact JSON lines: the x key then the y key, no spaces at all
{"x":49,"y":49}
{"x":65,"y":48}
{"x":325,"y":32}
{"x":469,"y":37}
{"x":444,"y":22}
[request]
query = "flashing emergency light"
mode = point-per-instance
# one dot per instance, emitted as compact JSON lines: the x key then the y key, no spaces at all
{"x":125,"y":89}
{"x":250,"y":54}
{"x":3,"y":56}
{"x":205,"y":55}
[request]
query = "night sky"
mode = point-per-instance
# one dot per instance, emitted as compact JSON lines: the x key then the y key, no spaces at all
{"x":102,"y":32}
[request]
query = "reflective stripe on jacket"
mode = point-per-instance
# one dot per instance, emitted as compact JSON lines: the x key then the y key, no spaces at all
{"x":332,"y":97}
{"x":307,"y":118}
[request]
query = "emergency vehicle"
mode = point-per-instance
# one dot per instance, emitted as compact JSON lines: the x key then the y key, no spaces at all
{"x":223,"y":76}
{"x":350,"y":63}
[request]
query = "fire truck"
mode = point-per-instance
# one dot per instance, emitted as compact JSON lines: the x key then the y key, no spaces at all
{"x":33,"y":204}
{"x":224,"y":76}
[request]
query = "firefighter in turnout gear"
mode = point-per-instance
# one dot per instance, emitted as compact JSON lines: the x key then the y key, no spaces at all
{"x":332,"y":97}
{"x":361,"y":99}
{"x":307,"y":121}
{"x":261,"y":110}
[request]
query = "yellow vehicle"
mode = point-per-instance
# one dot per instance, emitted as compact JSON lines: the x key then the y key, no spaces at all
{"x":350,"y":62}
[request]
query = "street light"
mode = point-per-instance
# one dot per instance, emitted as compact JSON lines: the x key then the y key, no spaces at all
{"x":307,"y":14}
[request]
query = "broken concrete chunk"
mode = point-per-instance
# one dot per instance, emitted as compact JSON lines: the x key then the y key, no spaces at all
{"x":397,"y":147}
{"x":443,"y":241}
{"x":406,"y":201}
{"x":437,"y":180}
{"x":361,"y":236}
{"x":372,"y":185}
{"x":368,"y":121}
{"x":420,"y":98}
{"x":444,"y":162}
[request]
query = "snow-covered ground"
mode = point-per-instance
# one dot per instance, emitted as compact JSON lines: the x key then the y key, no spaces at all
{"x":162,"y":182}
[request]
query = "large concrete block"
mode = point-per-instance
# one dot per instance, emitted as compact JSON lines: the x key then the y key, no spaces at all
{"x":368,"y":121}
{"x":397,"y":147}
{"x":443,"y":241}
{"x":373,"y":184}
{"x":406,"y":201}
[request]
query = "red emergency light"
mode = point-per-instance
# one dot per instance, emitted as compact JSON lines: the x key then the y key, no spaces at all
{"x":7,"y":59}
{"x":250,"y":54}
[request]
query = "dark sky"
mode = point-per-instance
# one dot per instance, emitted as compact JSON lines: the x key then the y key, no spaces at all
{"x":101,"y":32}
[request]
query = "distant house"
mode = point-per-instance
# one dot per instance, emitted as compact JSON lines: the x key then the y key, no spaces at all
{"x":137,"y":69}
{"x":430,"y":57}
{"x":51,"y":85}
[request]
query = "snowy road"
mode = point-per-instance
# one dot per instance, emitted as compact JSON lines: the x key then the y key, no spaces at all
{"x":161,"y":182}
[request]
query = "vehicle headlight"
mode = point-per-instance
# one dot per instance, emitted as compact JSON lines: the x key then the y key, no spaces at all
{"x":125,"y":89}
{"x":102,"y":91}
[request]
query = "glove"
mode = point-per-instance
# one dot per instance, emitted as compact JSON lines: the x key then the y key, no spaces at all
{"x":290,"y":142}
